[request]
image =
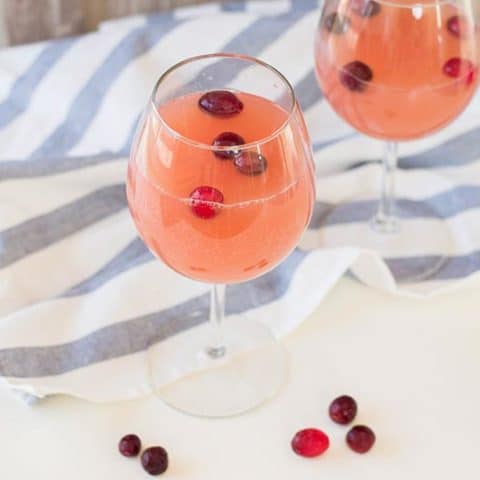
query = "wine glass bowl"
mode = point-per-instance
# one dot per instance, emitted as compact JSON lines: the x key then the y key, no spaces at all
{"x":400,"y":72}
{"x":261,"y":196}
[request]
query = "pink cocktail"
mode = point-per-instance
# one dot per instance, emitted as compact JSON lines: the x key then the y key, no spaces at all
{"x":261,"y":216}
{"x":419,"y":65}
{"x":398,"y":70}
{"x":220,"y":187}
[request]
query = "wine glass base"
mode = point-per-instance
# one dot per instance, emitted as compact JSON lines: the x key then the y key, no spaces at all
{"x":385,"y":225}
{"x":249,"y":371}
{"x":399,"y":243}
{"x":392,"y":240}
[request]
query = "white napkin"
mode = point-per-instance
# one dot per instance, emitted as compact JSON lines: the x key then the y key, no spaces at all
{"x":81,"y":299}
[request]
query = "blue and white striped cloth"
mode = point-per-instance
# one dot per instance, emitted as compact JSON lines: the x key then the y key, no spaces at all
{"x":81,"y":298}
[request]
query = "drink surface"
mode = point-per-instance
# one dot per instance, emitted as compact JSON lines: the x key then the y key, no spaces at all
{"x":262,"y":216}
{"x":406,"y":49}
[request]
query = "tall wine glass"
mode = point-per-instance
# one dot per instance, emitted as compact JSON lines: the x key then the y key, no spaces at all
{"x":221,"y":187}
{"x":398,"y":70}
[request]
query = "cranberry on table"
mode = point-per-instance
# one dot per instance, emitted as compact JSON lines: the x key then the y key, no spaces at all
{"x":336,"y":23}
{"x":343,"y":410}
{"x":310,"y":442}
{"x":204,"y":200}
{"x":250,"y":163}
{"x":365,"y":8}
{"x":155,"y":460}
{"x":130,"y":445}
{"x":355,"y":75}
{"x":220,"y":103}
{"x":227,"y":139}
{"x":360,"y":439}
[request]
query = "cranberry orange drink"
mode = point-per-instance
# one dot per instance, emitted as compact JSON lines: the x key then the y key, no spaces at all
{"x":396,"y":70}
{"x":226,"y":215}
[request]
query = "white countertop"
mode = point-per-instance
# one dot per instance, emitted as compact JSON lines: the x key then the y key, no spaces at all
{"x":412,"y":365}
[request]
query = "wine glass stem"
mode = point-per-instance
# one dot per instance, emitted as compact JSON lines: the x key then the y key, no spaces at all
{"x":217,"y":315}
{"x":385,"y":220}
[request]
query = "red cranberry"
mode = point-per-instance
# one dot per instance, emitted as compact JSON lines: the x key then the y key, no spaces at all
{"x":457,"y":67}
{"x":458,"y":25}
{"x":336,"y":23}
{"x":360,"y":439}
{"x":310,"y":442}
{"x":204,"y":199}
{"x":343,"y":410}
{"x":250,"y":163}
{"x":355,"y":75}
{"x":471,"y":75}
{"x":453,"y":25}
{"x":130,"y":445}
{"x":155,"y":460}
{"x":221,"y":103}
{"x":227,"y":139}
{"x":365,"y":8}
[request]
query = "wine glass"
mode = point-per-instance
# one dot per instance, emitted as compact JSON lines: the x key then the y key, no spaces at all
{"x":398,"y":70}
{"x":220,"y":187}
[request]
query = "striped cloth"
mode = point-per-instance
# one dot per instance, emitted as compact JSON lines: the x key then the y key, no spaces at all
{"x":82,"y":298}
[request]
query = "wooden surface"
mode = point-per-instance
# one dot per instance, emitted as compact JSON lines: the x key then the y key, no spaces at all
{"x":23,"y":21}
{"x":33,"y":20}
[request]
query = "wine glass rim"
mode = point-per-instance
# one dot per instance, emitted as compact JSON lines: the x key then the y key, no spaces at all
{"x":417,"y":3}
{"x":221,"y":55}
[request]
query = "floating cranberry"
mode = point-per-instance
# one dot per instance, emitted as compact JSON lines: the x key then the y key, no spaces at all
{"x":227,"y":139}
{"x":310,"y":442}
{"x":365,"y":8}
{"x":459,"y":67}
{"x":250,"y":163}
{"x":471,"y":76}
{"x":155,"y":460}
{"x":336,"y":23}
{"x":455,"y":66}
{"x":343,"y":410}
{"x":221,"y":103}
{"x":355,"y":75}
{"x":204,"y":200}
{"x":458,"y":25}
{"x":453,"y":25}
{"x":130,"y":445}
{"x":360,"y":439}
